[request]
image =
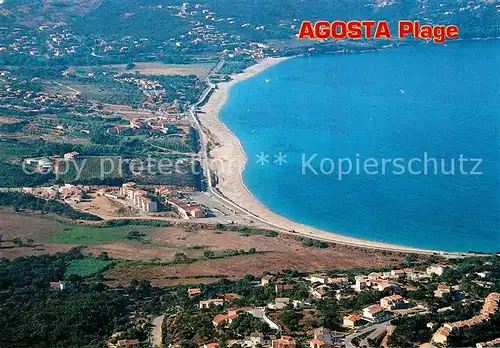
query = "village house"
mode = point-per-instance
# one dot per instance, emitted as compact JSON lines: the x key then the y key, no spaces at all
{"x":318,"y":278}
{"x":374,"y":314}
{"x":280,"y":286}
{"x":323,"y":334}
{"x":185,"y":210}
{"x":318,"y":291}
{"x":70,"y":155}
{"x":41,"y":163}
{"x":283,"y":342}
{"x":441,"y":290}
{"x":393,"y":302}
{"x":59,"y":286}
{"x":223,"y":320}
{"x":436,"y":269}
{"x":281,"y":302}
{"x":255,"y":339}
{"x":401,"y":273}
{"x":193,"y":292}
{"x":265,"y":280}
{"x":351,"y":321}
{"x":338,"y":281}
{"x":317,"y":343}
{"x":361,"y":283}
{"x":490,"y":306}
{"x":230,"y":297}
{"x":207,"y":304}
{"x":138,"y":197}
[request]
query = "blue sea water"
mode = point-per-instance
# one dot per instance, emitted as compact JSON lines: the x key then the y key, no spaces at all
{"x":397,"y":103}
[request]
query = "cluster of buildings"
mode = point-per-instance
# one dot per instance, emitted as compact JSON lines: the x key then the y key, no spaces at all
{"x":138,"y":197}
{"x":377,"y":313}
{"x":17,"y":96}
{"x":151,"y":88}
{"x":186,"y":210}
{"x":322,"y":338}
{"x":385,"y":309}
{"x":490,"y":306}
{"x":67,"y":192}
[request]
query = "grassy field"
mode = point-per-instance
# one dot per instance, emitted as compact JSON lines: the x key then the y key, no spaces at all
{"x":87,"y":267}
{"x":89,"y":235}
{"x":91,"y":168}
{"x":159,"y":69}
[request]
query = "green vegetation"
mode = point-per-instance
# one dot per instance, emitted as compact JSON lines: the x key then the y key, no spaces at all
{"x":13,"y":175}
{"x":245,"y":230}
{"x":91,"y":170}
{"x":89,"y":235}
{"x":84,"y":315}
{"x":307,"y":242}
{"x":87,"y":267}
{"x":21,"y":201}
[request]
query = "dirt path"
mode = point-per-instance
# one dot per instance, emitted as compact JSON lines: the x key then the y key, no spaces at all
{"x":157,"y":334}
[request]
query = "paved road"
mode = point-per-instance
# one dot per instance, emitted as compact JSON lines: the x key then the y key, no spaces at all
{"x":156,"y":335}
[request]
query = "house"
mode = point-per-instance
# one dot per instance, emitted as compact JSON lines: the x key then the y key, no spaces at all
{"x":138,"y":123}
{"x":281,"y":303}
{"x":401,"y":273}
{"x":375,"y":275}
{"x":280,"y":286}
{"x":318,"y":278}
{"x":441,"y":335}
{"x":436,"y":269}
{"x":59,"y":286}
{"x":193,"y":292}
{"x":185,"y":210}
{"x":128,"y":343}
{"x":43,"y":163}
{"x":221,"y":320}
{"x":146,"y":204}
{"x":317,"y":343}
{"x":339,"y":281}
{"x":382,"y":285}
{"x":319,"y":291}
{"x":283,"y":342}
{"x":374,"y":314}
{"x":361,"y":283}
{"x":441,"y":290}
{"x":207,"y":304}
{"x":490,"y":306}
{"x":255,"y":338}
{"x":265,"y":280}
{"x":138,"y":197}
{"x":351,"y":321}
{"x":392,"y":302}
{"x":70,"y":155}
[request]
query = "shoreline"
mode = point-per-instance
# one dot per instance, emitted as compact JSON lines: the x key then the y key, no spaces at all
{"x":228,"y":160}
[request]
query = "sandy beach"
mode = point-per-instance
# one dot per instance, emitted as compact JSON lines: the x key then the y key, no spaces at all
{"x":228,"y":160}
